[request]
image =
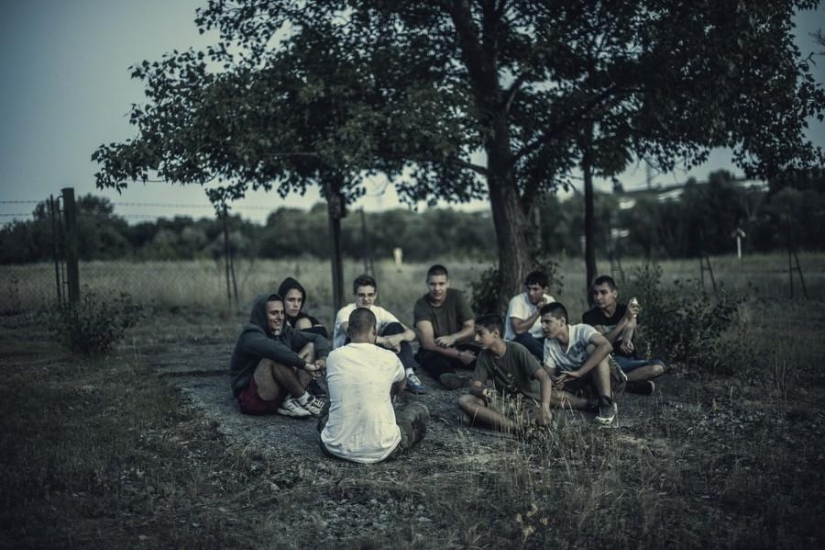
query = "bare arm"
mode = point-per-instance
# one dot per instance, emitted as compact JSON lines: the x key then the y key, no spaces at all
{"x":602,"y":350}
{"x":426,"y":336}
{"x":546,"y":385}
{"x":521,"y":326}
{"x":398,"y":387}
{"x":466,"y":332}
{"x":394,"y":340}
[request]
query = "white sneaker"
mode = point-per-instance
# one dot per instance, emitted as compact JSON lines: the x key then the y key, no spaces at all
{"x":291,"y":407}
{"x":314,"y":406}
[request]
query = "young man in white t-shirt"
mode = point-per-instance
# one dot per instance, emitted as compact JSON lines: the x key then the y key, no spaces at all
{"x":577,"y":357}
{"x":392,"y":334}
{"x":361,"y":424}
{"x":522,"y":323}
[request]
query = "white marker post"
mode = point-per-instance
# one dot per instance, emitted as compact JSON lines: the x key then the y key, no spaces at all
{"x":738,"y":235}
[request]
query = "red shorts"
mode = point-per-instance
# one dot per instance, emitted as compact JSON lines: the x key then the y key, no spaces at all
{"x":251,"y":403}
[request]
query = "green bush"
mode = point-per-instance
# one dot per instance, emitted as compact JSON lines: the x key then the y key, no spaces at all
{"x":93,"y":326}
{"x":486,"y":290}
{"x":686,"y":325}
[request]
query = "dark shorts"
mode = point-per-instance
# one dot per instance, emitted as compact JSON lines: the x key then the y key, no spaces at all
{"x":584,"y":386}
{"x":251,"y":403}
{"x":628,"y":364}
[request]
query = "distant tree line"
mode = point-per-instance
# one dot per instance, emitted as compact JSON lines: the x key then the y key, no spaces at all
{"x":700,"y":221}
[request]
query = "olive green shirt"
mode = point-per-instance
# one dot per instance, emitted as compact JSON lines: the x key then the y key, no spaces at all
{"x":511,"y":373}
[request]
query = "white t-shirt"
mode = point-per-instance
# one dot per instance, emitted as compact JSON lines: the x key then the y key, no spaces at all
{"x":576,"y":353}
{"x":361,"y":425}
{"x":521,"y":308}
{"x":339,"y":336}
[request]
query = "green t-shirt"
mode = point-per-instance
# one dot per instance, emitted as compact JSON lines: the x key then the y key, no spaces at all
{"x":512,"y":372}
{"x":449,"y":317}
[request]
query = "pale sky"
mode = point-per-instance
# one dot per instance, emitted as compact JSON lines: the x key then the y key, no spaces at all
{"x":66,"y":89}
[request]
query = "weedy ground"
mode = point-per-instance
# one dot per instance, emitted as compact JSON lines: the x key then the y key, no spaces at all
{"x":103,"y":453}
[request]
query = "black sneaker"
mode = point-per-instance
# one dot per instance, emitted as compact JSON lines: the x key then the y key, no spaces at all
{"x":452,"y":381}
{"x":607,"y":412}
{"x":316,"y":389}
{"x":647,"y":387}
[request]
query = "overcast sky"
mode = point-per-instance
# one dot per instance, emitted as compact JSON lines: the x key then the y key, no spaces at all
{"x":66,"y":89}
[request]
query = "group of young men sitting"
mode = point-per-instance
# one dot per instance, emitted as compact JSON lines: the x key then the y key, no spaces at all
{"x":522,"y":366}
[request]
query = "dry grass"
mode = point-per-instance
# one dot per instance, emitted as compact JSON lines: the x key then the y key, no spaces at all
{"x":103,"y":453}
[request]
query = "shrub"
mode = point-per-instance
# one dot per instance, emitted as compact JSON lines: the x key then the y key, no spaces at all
{"x":486,"y":290}
{"x":686,"y":325}
{"x":93,"y":326}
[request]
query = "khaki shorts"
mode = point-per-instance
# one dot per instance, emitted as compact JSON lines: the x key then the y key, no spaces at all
{"x":515,"y":406}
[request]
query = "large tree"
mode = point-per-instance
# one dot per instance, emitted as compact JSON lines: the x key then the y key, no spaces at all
{"x":458,"y":99}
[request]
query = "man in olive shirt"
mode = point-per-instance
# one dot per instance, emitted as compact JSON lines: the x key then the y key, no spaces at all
{"x":514,"y":370}
{"x":444,"y":322}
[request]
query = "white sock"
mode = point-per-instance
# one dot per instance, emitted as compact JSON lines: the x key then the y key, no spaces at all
{"x":304,"y":399}
{"x":410,"y":371}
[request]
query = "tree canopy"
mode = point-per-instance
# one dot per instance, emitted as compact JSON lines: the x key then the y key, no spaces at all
{"x":460,"y":99}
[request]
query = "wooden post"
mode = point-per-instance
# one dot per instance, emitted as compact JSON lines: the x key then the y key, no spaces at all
{"x":56,"y":250}
{"x":335,"y":211}
{"x":226,"y":256}
{"x":369,"y":267}
{"x":72,"y":269}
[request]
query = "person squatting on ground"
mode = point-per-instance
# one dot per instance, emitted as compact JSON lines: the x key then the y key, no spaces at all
{"x":271,"y":365}
{"x":515,"y":373}
{"x":444,"y":322}
{"x":295,"y":298}
{"x":392,"y":334}
{"x":522,"y":320}
{"x":577,"y":358}
{"x":361,"y":424}
{"x":618,"y":322}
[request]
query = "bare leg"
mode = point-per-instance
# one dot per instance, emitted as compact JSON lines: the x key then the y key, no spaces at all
{"x":480,"y":413}
{"x":563,"y":400}
{"x":273,"y":379}
{"x":601,"y":379}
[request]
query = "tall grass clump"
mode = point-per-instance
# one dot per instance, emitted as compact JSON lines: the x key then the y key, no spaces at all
{"x":93,"y":326}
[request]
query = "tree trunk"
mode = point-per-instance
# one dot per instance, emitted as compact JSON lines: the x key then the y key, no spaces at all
{"x":515,"y":236}
{"x":335,"y":211}
{"x":589,"y":218}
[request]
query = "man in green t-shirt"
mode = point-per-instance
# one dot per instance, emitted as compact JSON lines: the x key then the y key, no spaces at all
{"x":522,"y":387}
{"x":444,"y":322}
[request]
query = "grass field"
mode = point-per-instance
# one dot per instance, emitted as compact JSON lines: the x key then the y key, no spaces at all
{"x":202,"y":284}
{"x":102,"y":453}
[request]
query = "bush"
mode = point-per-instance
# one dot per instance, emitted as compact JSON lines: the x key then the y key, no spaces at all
{"x":687,"y":325}
{"x":93,"y":326}
{"x":486,"y":290}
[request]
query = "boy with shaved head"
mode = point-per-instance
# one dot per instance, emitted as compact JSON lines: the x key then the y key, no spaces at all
{"x":361,"y":425}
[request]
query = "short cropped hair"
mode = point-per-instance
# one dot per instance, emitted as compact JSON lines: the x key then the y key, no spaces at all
{"x":537,"y":278}
{"x":491,"y":321}
{"x":364,"y":280}
{"x":361,"y":320}
{"x":437,"y":269}
{"x":604,"y":280}
{"x":555,"y":309}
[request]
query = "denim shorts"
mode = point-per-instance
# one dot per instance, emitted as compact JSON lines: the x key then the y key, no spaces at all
{"x":628,"y":364}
